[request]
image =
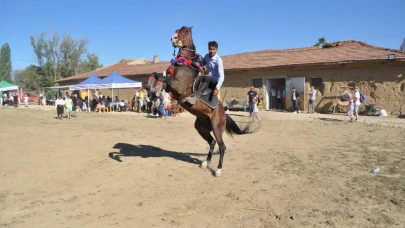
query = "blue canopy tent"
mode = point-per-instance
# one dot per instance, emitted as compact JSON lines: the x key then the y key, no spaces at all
{"x":116,"y":81}
{"x":92,"y":82}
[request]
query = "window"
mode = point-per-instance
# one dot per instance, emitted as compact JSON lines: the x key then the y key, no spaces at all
{"x":317,"y":83}
{"x":29,"y":95}
{"x":257,"y":83}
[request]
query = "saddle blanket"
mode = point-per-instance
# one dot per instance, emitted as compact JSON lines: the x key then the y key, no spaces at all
{"x":210,"y":100}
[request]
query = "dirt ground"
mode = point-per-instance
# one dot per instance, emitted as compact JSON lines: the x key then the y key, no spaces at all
{"x":127,"y":170}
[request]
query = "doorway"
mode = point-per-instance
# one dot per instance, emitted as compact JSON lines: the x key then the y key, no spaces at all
{"x":273,"y":85}
{"x":299,"y":84}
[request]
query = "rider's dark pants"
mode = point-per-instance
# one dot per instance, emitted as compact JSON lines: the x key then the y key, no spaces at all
{"x":206,"y":82}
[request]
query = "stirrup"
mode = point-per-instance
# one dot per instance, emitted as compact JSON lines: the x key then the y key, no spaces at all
{"x":191,"y":99}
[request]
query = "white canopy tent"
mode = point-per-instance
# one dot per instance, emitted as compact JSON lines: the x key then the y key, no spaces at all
{"x":113,"y":81}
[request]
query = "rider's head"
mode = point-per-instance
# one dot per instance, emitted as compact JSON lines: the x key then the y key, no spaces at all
{"x":212,"y":48}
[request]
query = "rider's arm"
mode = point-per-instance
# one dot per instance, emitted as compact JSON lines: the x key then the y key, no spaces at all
{"x":221,"y":73}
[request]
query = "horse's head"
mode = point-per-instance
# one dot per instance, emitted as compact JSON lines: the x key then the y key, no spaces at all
{"x":182,"y":38}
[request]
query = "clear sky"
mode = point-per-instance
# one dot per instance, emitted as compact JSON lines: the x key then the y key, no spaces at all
{"x":133,"y":29}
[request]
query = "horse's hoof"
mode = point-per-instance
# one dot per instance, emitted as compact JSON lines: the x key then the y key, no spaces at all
{"x":218,"y":173}
{"x":204,"y":164}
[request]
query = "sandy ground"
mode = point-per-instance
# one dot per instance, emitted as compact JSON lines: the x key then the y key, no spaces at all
{"x":126,"y":170}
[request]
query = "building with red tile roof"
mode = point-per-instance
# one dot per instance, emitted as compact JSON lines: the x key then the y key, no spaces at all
{"x":348,"y":63}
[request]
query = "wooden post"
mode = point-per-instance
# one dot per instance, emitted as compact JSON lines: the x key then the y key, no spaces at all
{"x":223,"y":98}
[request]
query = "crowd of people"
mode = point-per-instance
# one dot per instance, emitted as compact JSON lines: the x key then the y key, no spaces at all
{"x":144,"y":101}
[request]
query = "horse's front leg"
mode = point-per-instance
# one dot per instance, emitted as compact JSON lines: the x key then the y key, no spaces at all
{"x":204,"y":130}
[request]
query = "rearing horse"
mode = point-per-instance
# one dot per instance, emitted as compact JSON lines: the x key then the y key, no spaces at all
{"x":180,"y":84}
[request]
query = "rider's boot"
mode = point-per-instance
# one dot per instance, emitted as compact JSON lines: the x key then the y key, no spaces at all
{"x":193,"y":98}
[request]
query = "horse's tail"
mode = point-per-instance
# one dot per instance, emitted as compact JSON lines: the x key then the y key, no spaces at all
{"x":233,"y":128}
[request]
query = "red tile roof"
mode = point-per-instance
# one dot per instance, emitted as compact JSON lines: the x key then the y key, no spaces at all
{"x":347,"y":51}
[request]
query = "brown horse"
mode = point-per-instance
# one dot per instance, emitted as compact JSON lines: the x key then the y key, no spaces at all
{"x":180,"y":84}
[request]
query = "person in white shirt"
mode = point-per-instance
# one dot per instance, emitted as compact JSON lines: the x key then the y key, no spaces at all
{"x":59,"y":107}
{"x":26,"y":100}
{"x":215,"y":73}
{"x":312,"y":99}
{"x":122,"y":106}
{"x":41,"y":97}
{"x":255,"y":110}
{"x":356,"y":102}
{"x":294,"y":99}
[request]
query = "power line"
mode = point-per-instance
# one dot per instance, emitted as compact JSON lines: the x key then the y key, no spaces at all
{"x":22,"y":60}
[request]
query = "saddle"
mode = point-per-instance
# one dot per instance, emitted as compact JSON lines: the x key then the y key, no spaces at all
{"x":207,"y":95}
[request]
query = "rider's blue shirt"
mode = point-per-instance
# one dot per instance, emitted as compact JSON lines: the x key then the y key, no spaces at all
{"x":215,"y":68}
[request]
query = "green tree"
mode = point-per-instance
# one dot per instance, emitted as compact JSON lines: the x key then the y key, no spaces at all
{"x":402,"y":48}
{"x":322,"y":42}
{"x":5,"y":62}
{"x":89,"y":64}
{"x":62,"y":57}
{"x":31,"y":78}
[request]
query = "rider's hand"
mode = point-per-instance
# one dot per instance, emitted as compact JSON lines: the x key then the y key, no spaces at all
{"x":216,"y":91}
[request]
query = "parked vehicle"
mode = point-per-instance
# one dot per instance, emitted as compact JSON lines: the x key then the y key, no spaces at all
{"x":32,"y":97}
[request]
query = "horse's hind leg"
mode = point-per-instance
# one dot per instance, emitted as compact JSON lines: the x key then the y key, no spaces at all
{"x":218,"y":127}
{"x":204,"y":129}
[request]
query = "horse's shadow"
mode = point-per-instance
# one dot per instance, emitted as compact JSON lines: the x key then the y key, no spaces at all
{"x":147,"y":151}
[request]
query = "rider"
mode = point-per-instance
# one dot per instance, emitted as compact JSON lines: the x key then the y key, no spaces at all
{"x":215,"y":69}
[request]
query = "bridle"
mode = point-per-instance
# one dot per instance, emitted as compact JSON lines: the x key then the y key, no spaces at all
{"x":180,"y":43}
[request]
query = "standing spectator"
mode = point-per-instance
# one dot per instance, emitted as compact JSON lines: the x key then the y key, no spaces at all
{"x":148,"y":96}
{"x":259,"y":101}
{"x":294,"y":98}
{"x":79,"y":104}
{"x":312,"y":99}
{"x":162,"y":104}
{"x":68,"y":105}
{"x":357,"y":102}
{"x":41,"y":97}
{"x":137,"y":94}
{"x":59,"y":107}
{"x":255,"y":110}
{"x":5,"y":100}
{"x":10,"y":99}
{"x":279,"y":98}
{"x":283,"y":97}
{"x":74,"y":102}
{"x":15,"y":98}
{"x":84,"y":108}
{"x":351,"y":108}
{"x":140,"y":101}
{"x":250,"y":95}
{"x":26,"y":100}
{"x":273,"y":94}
